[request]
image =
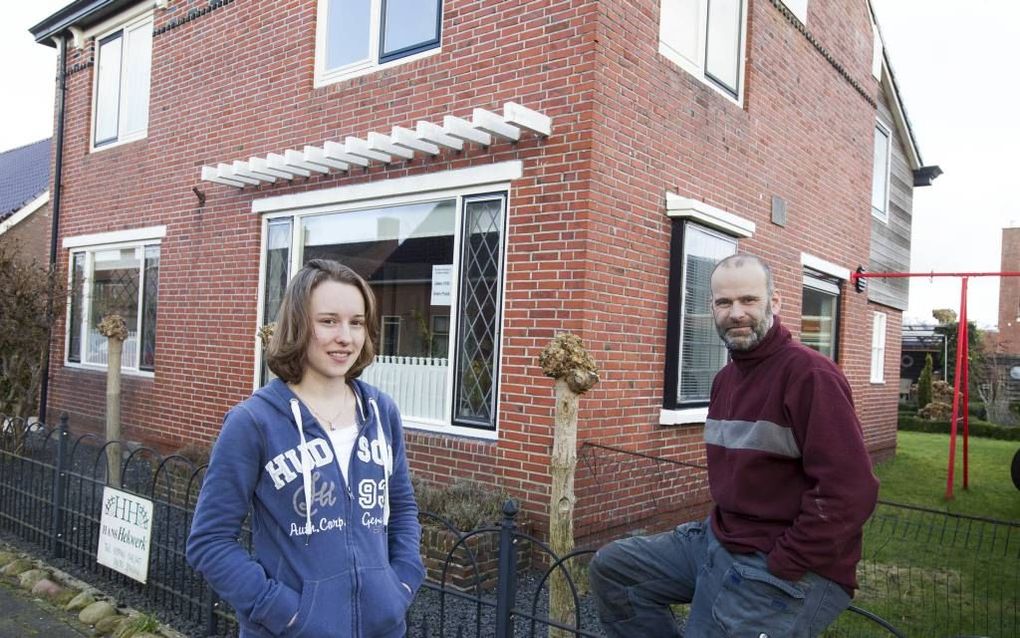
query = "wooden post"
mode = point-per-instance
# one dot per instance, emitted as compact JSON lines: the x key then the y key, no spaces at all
{"x":565,"y":360}
{"x":115,"y":330}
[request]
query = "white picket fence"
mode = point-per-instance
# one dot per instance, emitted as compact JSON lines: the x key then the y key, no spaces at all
{"x":417,"y":384}
{"x":96,"y":352}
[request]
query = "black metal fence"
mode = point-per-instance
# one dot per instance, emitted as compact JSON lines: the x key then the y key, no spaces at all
{"x":930,"y":573}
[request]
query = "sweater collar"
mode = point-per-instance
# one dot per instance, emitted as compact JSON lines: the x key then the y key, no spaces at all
{"x":775,"y":338}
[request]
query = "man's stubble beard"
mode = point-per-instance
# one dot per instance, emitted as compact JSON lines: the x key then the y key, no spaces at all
{"x":759,"y":328}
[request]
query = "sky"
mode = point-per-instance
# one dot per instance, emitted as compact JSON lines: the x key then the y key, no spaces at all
{"x":953,"y":62}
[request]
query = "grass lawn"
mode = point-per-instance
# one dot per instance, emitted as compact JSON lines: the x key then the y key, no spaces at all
{"x":933,"y":574}
{"x":917,"y":476}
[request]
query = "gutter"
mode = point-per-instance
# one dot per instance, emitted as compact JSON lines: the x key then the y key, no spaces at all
{"x":55,"y":192}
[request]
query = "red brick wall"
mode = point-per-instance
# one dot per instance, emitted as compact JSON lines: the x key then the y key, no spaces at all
{"x":1009,"y":293}
{"x":588,"y":245}
{"x":32,"y":235}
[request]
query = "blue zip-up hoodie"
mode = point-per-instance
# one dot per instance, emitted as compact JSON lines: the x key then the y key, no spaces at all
{"x":331,"y":553}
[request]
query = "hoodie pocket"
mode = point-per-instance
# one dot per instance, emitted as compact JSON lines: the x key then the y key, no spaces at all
{"x":325,"y":609}
{"x":382,"y":602}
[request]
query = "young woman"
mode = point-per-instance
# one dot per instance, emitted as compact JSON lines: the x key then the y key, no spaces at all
{"x":318,"y":457}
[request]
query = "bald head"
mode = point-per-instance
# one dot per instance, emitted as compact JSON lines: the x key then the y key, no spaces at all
{"x":746,"y":260}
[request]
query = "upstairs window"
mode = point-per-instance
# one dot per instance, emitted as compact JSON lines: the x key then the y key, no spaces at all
{"x":120,"y":110}
{"x":880,"y":176}
{"x":706,"y":38}
{"x":359,"y":35}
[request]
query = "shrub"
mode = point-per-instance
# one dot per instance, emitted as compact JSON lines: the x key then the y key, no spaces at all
{"x":924,"y":383}
{"x":977,"y":428}
{"x":467,"y":504}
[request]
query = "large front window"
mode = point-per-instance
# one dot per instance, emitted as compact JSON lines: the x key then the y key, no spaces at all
{"x":700,"y":353}
{"x":436,"y":269}
{"x":121,"y":280}
{"x":362,"y":34}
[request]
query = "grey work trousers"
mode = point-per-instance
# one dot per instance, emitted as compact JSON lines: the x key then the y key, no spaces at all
{"x":634,"y":581}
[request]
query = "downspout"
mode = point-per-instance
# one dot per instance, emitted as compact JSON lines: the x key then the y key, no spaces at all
{"x":55,"y":212}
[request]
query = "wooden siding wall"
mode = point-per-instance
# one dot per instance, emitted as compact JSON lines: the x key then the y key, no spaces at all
{"x":890,"y":241}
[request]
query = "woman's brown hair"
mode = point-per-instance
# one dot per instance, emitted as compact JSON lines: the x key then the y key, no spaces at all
{"x":288,"y":347}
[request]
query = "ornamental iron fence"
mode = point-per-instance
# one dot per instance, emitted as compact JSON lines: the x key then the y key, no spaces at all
{"x":492,"y":581}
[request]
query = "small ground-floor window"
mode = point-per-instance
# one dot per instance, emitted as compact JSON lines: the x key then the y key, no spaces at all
{"x":118,"y":277}
{"x":819,"y":318}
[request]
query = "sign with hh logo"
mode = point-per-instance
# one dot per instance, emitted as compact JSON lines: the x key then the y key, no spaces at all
{"x":125,"y":529}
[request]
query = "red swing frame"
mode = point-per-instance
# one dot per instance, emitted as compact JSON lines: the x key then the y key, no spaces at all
{"x":960,"y":379}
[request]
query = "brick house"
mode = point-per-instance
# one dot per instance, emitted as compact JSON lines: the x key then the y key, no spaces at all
{"x":499,"y":172}
{"x":24,"y":199}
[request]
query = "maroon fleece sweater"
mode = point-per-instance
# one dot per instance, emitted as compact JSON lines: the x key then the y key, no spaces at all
{"x":787,"y":465}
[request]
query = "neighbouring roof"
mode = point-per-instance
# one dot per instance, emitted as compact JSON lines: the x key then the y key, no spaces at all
{"x":24,"y":175}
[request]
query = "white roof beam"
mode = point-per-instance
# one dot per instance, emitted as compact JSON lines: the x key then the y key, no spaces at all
{"x":490,"y":123}
{"x":359,"y":147}
{"x":226,"y":171}
{"x":260,"y":166}
{"x":209,"y":174}
{"x":429,"y":132}
{"x":514,"y":113}
{"x":336,"y":151}
{"x":244,"y":170}
{"x":315,"y":155}
{"x":462,"y":129}
{"x":279,"y":163}
{"x":409,"y":139}
{"x":383,"y":144}
{"x":297,"y":160}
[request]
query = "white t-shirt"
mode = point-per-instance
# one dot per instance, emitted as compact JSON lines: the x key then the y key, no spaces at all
{"x":343,"y":443}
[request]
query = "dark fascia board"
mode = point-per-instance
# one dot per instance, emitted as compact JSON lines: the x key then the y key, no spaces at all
{"x":81,"y":14}
{"x":925,"y":175}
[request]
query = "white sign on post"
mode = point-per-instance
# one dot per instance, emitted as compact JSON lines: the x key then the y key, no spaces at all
{"x":442,"y":274}
{"x":125,"y":530}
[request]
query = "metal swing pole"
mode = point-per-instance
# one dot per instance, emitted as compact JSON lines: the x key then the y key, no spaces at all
{"x":961,"y":353}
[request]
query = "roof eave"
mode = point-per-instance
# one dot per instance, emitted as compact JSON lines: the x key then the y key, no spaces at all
{"x":80,"y":13}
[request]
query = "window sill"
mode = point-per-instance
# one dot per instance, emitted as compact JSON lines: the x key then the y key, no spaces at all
{"x":452,"y":430}
{"x":685,"y":416}
{"x":324,"y":79}
{"x":127,"y":372}
{"x":122,"y":142}
{"x":699,"y":74}
{"x":880,"y":382}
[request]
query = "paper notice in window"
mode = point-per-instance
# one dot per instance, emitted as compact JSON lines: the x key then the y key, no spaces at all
{"x":441,"y":275}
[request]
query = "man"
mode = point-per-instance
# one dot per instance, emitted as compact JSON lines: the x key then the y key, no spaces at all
{"x":792,"y":484}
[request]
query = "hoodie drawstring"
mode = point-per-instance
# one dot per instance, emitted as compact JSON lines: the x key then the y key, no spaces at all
{"x":306,"y":471}
{"x":387,"y":460}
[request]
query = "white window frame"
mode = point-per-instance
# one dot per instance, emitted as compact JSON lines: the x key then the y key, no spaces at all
{"x":325,"y":77}
{"x":883,"y":215}
{"x":696,"y":66}
{"x":798,"y":8}
{"x":89,"y":244}
{"x":879,"y":322}
{"x":458,"y":184}
{"x":129,"y":20}
{"x":726,"y":223}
